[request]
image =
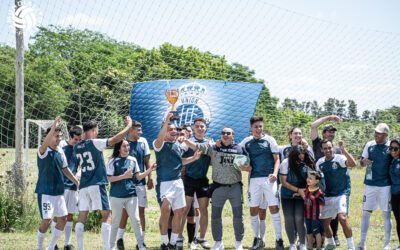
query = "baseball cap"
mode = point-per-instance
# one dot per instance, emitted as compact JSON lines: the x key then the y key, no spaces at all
{"x":329,"y":127}
{"x":382,"y":128}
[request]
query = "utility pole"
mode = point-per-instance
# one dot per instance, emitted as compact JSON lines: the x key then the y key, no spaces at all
{"x":18,"y":168}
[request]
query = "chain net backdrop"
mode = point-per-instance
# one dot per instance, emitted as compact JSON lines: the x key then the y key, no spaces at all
{"x":82,"y":59}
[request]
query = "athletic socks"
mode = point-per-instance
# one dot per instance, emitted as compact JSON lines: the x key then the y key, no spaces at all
{"x":164,"y":239}
{"x":364,"y":226}
{"x":255,"y":225}
{"x":276,"y":222}
{"x":55,"y":235}
{"x":68,"y":232}
{"x":53,"y":225}
{"x":197,"y":221}
{"x":190,"y":231}
{"x":79,"y":228}
{"x":388,"y":226}
{"x":143,"y":234}
{"x":262,"y":229}
{"x":350,"y":243}
{"x":40,"y":239}
{"x":174,"y":237}
{"x":120,"y":234}
{"x":105,"y":234}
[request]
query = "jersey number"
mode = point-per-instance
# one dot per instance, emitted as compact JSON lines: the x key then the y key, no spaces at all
{"x":87,"y":157}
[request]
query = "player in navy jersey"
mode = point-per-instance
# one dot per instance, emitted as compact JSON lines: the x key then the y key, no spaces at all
{"x":70,"y":193}
{"x":394,"y":150}
{"x":169,"y":188}
{"x":123,"y":172}
{"x":52,"y":166}
{"x":376,"y":158}
{"x":295,"y":135}
{"x":337,"y":182}
{"x":196,"y":182}
{"x":93,"y":188}
{"x":139,"y":148}
{"x":328,"y":132}
{"x":264,"y":159}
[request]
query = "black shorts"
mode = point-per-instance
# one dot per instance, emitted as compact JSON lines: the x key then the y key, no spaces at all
{"x":314,"y":226}
{"x":198,"y":186}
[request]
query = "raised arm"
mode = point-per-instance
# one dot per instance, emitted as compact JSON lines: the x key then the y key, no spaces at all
{"x":47,"y":139}
{"x":351,"y":162}
{"x":317,"y":123}
{"x":118,"y":137}
{"x":190,"y":144}
{"x":161,"y":135}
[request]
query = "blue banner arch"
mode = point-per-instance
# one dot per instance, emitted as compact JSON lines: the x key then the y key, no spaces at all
{"x":220,"y":103}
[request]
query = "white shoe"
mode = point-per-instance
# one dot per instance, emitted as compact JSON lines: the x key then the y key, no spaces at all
{"x":218,"y":245}
{"x":142,"y":247}
{"x":303,"y":247}
{"x":292,"y":247}
{"x":386,"y":247}
{"x":238,"y":245}
{"x":192,"y":245}
{"x":361,"y":247}
{"x":398,"y":248}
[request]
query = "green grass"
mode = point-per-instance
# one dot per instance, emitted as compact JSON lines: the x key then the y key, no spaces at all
{"x":25,"y":236}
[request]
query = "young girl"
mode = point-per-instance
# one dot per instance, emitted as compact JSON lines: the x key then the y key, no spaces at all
{"x":121,"y":171}
{"x":313,"y":204}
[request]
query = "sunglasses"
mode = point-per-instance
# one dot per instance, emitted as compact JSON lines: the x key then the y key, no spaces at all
{"x":395,"y":149}
{"x":226,"y":133}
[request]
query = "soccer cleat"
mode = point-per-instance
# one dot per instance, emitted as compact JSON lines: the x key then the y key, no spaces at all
{"x":257,"y":243}
{"x":142,"y":247}
{"x":292,"y":247}
{"x":179,"y":244}
{"x":172,"y":247}
{"x":330,"y":247}
{"x":279,"y":244}
{"x":203,"y":243}
{"x":238,"y":245}
{"x":398,"y":248}
{"x":164,"y":247}
{"x":192,"y":245}
{"x":120,"y":244}
{"x":218,"y":245}
{"x":303,"y":247}
{"x":386,"y":247}
{"x":69,"y":247}
{"x":337,"y":241}
{"x":361,"y":247}
{"x":56,"y":247}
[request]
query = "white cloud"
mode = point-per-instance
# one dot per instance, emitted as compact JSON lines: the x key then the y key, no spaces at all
{"x":354,"y":68}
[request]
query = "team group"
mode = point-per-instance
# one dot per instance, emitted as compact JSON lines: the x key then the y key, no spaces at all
{"x":314,"y":196}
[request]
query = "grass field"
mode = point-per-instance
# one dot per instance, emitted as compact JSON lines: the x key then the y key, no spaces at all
{"x":26,"y":239}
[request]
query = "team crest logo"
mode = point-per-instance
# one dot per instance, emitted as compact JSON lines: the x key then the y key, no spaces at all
{"x":335,"y":165}
{"x":192,"y":103}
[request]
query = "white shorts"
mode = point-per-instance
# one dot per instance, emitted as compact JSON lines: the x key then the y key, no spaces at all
{"x":141,"y":196}
{"x":174,"y":192}
{"x":334,"y":205}
{"x":52,"y":206}
{"x":93,"y":198}
{"x":374,"y":196}
{"x":71,"y":201}
{"x":262,"y":192}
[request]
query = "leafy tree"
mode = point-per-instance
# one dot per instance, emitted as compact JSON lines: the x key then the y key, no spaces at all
{"x":352,"y":111}
{"x":366,"y":115}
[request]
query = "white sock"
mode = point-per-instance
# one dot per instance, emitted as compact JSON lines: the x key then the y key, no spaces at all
{"x":120,"y":234}
{"x":196,"y":229}
{"x":79,"y":229}
{"x":262,"y":229}
{"x":173,"y":239}
{"x":331,"y":241}
{"x":143,"y":234}
{"x":350,"y":243}
{"x":255,"y":225}
{"x":55,"y":235}
{"x":40,"y":239}
{"x":68,"y":232}
{"x":105,"y":234}
{"x":276,"y":222}
{"x":164,"y":239}
{"x":388,"y":225}
{"x":53,"y":225}
{"x":364,"y":226}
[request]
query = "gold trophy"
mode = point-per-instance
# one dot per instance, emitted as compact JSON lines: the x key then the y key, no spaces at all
{"x":172,"y":97}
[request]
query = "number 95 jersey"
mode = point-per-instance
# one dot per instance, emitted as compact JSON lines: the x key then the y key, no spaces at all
{"x":91,"y":160}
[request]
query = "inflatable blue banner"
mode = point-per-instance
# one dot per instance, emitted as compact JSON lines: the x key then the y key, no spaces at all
{"x":220,"y":103}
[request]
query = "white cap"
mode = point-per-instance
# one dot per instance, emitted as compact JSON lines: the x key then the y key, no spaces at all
{"x":382,"y":128}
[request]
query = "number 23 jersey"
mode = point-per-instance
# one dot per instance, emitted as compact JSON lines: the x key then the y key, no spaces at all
{"x":91,"y":160}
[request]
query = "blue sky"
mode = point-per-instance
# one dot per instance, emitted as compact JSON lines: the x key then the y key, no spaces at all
{"x":308,"y":50}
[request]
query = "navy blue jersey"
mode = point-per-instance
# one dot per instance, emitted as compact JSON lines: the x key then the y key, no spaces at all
{"x":336,"y":175}
{"x":91,"y":160}
{"x":72,"y":163}
{"x":50,"y":177}
{"x":197,"y":169}
{"x":292,"y":178}
{"x":140,"y":150}
{"x":169,"y":161}
{"x":261,"y":153}
{"x":380,"y":156}
{"x":118,"y":166}
{"x":395,"y":176}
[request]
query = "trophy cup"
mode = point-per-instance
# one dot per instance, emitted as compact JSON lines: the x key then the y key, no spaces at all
{"x":172,"y":97}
